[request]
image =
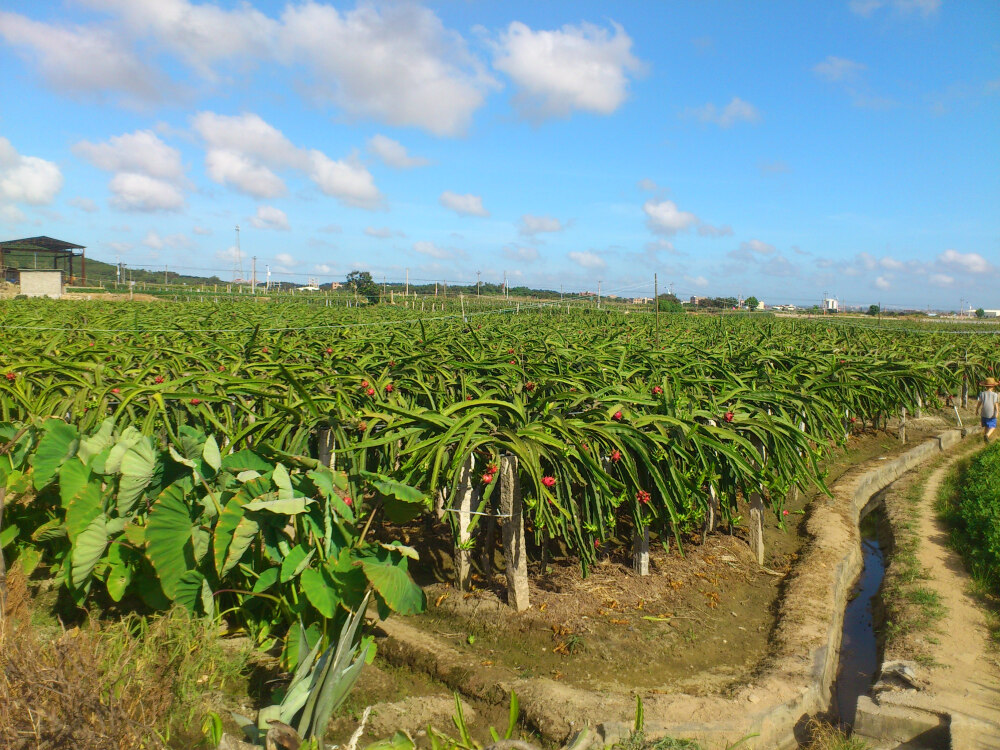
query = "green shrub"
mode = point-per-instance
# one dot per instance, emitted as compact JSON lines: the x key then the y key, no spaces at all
{"x":978,"y":516}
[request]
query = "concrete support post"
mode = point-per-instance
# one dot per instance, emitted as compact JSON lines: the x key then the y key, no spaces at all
{"x":515,"y":553}
{"x":325,"y":448}
{"x":439,"y":503}
{"x":463,"y":539}
{"x":757,"y":512}
{"x":920,"y":407}
{"x":902,"y":426}
{"x":489,"y":544}
{"x":640,"y":551}
{"x":757,"y":526}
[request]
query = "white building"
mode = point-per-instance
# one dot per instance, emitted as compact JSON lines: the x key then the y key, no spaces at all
{"x":830,"y":305}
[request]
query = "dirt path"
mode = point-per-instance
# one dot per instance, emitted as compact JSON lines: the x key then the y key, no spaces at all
{"x":967,"y":682}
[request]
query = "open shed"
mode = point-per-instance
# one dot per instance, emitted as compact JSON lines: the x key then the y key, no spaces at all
{"x":43,"y":253}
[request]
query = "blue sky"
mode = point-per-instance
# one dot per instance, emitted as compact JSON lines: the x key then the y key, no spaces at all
{"x":780,"y":149}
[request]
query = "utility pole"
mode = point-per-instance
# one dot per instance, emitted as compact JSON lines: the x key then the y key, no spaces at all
{"x":407,"y":282}
{"x":477,"y":283}
{"x":656,"y":301}
{"x":598,"y":295}
{"x":253,"y":276}
{"x":164,"y":275}
{"x":880,"y":313}
{"x":505,"y":295}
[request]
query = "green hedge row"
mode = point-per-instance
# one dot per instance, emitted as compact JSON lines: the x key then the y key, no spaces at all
{"x":978,"y":516}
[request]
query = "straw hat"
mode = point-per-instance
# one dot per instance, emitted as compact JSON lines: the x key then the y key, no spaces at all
{"x":990,"y":383}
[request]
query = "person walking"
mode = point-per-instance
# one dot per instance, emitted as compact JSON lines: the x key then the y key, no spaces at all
{"x":986,"y":407}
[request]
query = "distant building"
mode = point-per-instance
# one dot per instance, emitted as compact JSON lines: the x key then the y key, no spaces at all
{"x":992,"y":313}
{"x":830,"y":305}
{"x":641,"y":300}
{"x":696,"y":300}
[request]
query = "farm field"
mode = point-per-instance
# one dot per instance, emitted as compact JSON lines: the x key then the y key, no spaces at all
{"x":273,"y":468}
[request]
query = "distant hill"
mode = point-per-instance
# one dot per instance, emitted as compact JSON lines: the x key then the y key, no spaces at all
{"x":98,"y":271}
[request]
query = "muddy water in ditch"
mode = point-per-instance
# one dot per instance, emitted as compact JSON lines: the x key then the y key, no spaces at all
{"x":859,"y":652}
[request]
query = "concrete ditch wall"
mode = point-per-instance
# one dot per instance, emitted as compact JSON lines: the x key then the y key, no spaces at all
{"x":794,"y":685}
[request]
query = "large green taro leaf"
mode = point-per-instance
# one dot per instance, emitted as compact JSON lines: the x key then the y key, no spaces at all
{"x":168,"y":539}
{"x":393,"y":583}
{"x":59,"y":442}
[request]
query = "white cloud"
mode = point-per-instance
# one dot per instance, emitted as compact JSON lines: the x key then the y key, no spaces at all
{"x":964,"y":262}
{"x":200,"y":35}
{"x":156,"y":242}
{"x":27,"y":179}
{"x":348,"y":181}
{"x":142,"y":152}
{"x":331,"y":229}
{"x":696,"y":280}
{"x":838,"y":69}
{"x":648,"y":185}
{"x":532,"y":225}
{"x":381,"y":233}
{"x":269,"y":217}
{"x":882,"y":282}
{"x":84,"y":204}
{"x":148,"y":173}
{"x":393,"y":153}
{"x":660,"y":246}
{"x":465,"y":205}
{"x":520,"y":253}
{"x":140,"y":192}
{"x":397,"y":64}
{"x":573,"y":68}
{"x":12,"y":214}
{"x":153,"y":240}
{"x":285,"y":259}
{"x":82,"y":60}
{"x":244,"y":151}
{"x":867,"y":8}
{"x":849,"y":76}
{"x":736,"y":111}
{"x":237,"y":170}
{"x":429,"y":248}
{"x":707,"y":230}
{"x":323,"y":268}
{"x":250,"y":135}
{"x":230,"y":255}
{"x":757,"y":246}
{"x":202,"y":230}
{"x":892,"y":264}
{"x":941,"y":279}
{"x":663,"y":217}
{"x":587,"y":259}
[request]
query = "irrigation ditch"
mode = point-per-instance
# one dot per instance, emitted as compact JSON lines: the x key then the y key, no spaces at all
{"x":818,"y":635}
